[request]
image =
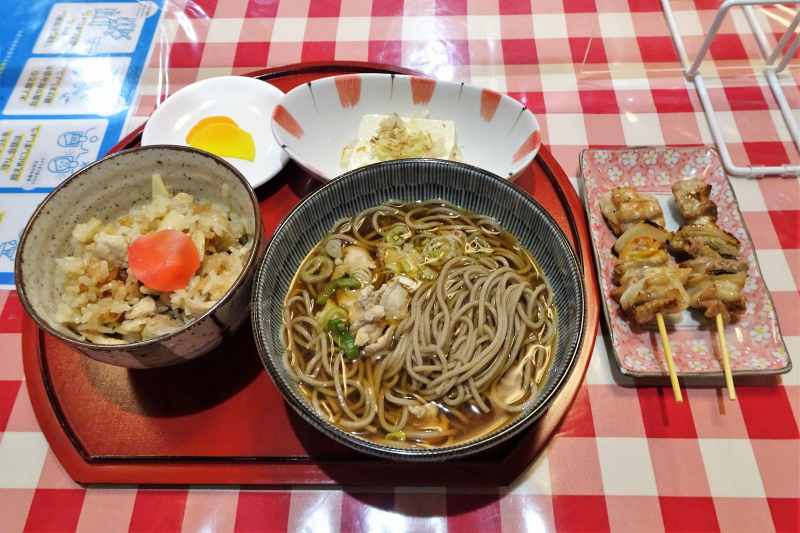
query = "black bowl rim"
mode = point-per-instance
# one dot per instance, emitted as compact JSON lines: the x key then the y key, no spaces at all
{"x":412,"y":454}
{"x":252,"y":259}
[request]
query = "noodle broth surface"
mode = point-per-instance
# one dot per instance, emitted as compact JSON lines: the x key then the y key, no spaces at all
{"x":419,"y":325}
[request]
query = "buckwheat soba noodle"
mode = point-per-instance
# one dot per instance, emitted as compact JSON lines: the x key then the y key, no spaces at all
{"x":418,"y":325}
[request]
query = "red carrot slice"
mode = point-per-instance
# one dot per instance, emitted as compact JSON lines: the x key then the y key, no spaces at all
{"x":164,"y":261}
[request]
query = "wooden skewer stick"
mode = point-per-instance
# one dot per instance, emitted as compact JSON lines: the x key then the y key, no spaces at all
{"x":673,"y":377}
{"x":726,"y":358}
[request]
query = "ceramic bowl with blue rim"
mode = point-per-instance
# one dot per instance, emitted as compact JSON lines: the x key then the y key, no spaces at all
{"x":417,"y":180}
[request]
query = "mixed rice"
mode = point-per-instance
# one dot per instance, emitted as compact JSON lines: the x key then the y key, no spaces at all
{"x":103,"y":302}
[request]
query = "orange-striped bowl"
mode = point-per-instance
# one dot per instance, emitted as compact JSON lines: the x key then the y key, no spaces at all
{"x":317,"y":120}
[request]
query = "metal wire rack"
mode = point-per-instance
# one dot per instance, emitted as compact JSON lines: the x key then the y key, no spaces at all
{"x":775,"y":62}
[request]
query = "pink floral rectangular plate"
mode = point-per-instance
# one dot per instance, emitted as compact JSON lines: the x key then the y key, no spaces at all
{"x":754,"y":341}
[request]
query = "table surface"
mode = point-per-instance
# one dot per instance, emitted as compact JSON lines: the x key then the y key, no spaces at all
{"x":596,"y":73}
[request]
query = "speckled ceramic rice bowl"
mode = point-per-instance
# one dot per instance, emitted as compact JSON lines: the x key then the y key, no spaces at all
{"x":108,"y":189}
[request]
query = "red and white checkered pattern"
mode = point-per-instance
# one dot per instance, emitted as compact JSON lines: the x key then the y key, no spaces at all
{"x":597,"y":73}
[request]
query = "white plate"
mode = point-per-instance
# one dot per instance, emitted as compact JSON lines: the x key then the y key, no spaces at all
{"x":248,"y":101}
{"x":317,"y":119}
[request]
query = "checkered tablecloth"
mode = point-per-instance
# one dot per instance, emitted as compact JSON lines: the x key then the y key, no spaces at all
{"x":596,"y":72}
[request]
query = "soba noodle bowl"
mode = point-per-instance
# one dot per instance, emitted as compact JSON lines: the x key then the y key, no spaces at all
{"x":418,"y":324}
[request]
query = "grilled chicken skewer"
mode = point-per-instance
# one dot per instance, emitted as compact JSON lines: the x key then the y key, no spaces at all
{"x":717,"y":275}
{"x":649,"y":282}
{"x":650,"y":285}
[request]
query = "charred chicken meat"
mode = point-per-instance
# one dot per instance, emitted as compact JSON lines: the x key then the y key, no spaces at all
{"x":625,"y":206}
{"x":693,"y":197}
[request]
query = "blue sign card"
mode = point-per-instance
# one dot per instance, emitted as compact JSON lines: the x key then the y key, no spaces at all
{"x":68,"y":75}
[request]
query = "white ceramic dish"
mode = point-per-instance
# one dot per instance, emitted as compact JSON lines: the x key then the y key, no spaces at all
{"x":318,"y":119}
{"x":248,"y":101}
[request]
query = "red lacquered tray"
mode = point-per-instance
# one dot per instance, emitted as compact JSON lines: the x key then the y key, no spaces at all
{"x":220,"y":420}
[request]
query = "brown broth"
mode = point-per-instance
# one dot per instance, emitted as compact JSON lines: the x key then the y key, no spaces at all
{"x":477,"y":424}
